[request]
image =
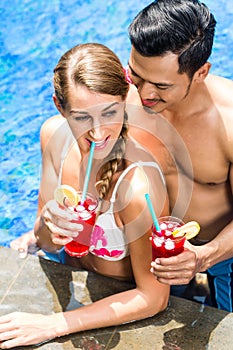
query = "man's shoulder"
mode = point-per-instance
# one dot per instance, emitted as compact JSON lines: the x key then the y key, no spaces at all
{"x":221,"y":93}
{"x":221,"y":89}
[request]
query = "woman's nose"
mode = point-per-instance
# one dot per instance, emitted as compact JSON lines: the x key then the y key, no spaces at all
{"x":96,"y":132}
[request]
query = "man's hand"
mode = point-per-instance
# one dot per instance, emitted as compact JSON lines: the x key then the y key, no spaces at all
{"x":179,"y":269}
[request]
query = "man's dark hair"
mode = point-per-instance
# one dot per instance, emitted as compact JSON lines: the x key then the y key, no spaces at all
{"x":183,"y":27}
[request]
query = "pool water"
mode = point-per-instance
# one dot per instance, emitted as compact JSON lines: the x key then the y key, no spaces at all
{"x":33,"y":36}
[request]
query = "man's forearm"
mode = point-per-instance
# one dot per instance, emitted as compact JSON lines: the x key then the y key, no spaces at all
{"x":219,"y":249}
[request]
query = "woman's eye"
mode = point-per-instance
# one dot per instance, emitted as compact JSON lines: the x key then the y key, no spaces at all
{"x":82,"y":118}
{"x":109,"y":114}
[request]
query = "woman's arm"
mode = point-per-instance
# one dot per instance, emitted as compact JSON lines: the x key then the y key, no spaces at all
{"x":148,"y":298}
{"x":51,"y":226}
{"x":28,"y":240}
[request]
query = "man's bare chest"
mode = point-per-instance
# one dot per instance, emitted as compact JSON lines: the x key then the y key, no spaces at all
{"x":200,"y":155}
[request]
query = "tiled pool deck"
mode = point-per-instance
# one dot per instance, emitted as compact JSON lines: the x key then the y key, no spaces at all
{"x":37,"y":285}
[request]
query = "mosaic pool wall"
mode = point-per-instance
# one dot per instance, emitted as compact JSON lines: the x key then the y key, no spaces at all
{"x":33,"y":36}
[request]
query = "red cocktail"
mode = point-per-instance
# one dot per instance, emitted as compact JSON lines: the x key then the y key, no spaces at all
{"x":164,"y":244}
{"x":86,"y":215}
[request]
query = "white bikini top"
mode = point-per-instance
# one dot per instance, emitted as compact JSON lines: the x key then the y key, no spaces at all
{"x":108,"y":241}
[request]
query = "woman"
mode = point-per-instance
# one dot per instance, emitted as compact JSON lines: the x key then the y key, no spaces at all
{"x":90,"y":93}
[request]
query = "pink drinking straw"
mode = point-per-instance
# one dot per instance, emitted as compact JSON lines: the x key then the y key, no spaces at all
{"x":88,"y":172}
{"x":152,"y":212}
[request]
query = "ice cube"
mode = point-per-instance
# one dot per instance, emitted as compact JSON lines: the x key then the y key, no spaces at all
{"x":169,"y":244}
{"x":91,"y":207}
{"x":170,"y":225}
{"x":84,"y":215}
{"x":168,"y":233}
{"x":80,"y":208}
{"x":158,"y":241}
{"x":163,"y":226}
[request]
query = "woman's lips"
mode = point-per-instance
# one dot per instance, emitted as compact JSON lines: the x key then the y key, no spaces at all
{"x":100,"y":144}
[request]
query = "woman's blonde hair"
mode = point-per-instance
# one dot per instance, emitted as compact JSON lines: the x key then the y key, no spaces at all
{"x":100,"y":70}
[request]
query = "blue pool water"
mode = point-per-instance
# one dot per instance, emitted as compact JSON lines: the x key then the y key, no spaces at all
{"x":33,"y":36}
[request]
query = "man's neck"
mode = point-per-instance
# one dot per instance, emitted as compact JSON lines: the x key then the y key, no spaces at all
{"x":197,"y":101}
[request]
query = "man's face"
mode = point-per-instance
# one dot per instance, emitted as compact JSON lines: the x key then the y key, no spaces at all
{"x":158,"y":82}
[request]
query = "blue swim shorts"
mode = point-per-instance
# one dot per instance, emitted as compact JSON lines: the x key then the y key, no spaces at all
{"x":220,"y":278}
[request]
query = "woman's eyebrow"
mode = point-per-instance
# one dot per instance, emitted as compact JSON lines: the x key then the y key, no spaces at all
{"x":78,"y":112}
{"x":111,"y":105}
{"x":86,"y":112}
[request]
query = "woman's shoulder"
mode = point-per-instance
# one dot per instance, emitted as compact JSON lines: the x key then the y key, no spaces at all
{"x":53,"y":132}
{"x":139,"y":178}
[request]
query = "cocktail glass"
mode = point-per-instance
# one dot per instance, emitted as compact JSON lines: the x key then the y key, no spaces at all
{"x":86,"y":216}
{"x":164,"y":244}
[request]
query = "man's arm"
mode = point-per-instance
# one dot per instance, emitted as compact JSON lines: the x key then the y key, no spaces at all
{"x":182,"y":268}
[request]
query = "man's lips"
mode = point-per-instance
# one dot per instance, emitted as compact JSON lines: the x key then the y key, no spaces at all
{"x":149,"y":103}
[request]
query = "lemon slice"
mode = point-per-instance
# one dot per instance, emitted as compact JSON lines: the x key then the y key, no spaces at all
{"x":189,"y":230}
{"x":66,"y":192}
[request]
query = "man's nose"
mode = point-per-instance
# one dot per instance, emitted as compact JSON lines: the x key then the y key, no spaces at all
{"x":147,"y":91}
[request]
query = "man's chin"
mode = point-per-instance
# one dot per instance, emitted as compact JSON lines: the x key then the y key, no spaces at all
{"x":149,"y":110}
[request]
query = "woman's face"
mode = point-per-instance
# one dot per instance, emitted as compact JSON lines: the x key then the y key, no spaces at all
{"x":94,"y":117}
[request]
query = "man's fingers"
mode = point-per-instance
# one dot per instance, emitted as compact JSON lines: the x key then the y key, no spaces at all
{"x":173,"y":282}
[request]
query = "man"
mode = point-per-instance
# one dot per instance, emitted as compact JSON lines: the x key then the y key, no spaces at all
{"x":171,"y":43}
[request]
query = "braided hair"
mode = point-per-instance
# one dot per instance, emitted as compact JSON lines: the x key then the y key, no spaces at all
{"x":116,"y":159}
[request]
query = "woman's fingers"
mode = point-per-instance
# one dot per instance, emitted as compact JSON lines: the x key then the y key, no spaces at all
{"x":24,"y":243}
{"x":59,"y":221}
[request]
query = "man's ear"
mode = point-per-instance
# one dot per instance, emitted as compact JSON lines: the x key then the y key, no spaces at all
{"x":202,"y":73}
{"x":58,"y":105}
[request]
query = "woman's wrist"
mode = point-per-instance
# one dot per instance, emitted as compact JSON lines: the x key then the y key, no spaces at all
{"x":43,"y":236}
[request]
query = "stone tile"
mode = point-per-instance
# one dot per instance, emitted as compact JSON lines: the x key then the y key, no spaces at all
{"x":38,"y":285}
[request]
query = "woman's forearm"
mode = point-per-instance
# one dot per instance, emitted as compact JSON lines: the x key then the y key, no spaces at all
{"x":124,"y":307}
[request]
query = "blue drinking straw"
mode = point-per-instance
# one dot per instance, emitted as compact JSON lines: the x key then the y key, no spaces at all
{"x":155,"y":220}
{"x":88,"y":172}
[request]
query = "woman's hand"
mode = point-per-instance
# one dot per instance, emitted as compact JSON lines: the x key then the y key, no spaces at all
{"x":24,"y":244}
{"x":20,"y":328}
{"x":62,"y":223}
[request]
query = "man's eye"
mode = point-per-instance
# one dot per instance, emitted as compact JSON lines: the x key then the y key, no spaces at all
{"x":134,"y":79}
{"x":161,"y":87}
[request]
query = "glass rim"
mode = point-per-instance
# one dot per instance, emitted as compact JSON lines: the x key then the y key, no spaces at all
{"x":88,"y":195}
{"x":171,"y":218}
{"x":175,"y":239}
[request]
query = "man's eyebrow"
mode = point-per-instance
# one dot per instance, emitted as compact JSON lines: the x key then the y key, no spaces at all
{"x":134,"y":73}
{"x":151,"y":82}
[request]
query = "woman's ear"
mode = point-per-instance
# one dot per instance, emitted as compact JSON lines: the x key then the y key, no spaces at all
{"x":58,"y":105}
{"x":202,"y":73}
